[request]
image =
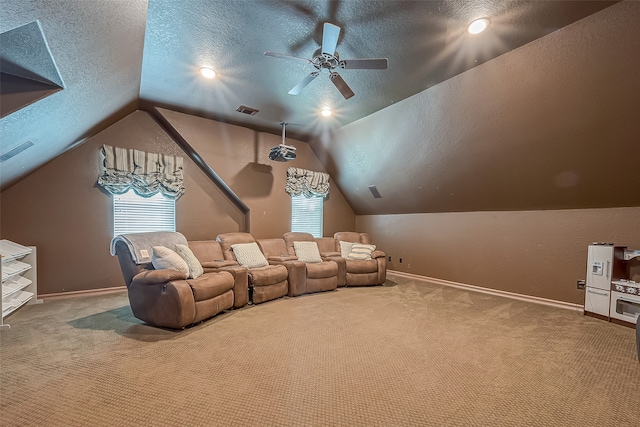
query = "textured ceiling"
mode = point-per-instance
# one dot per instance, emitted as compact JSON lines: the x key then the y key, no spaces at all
{"x":112,"y":53}
{"x":551,"y":125}
{"x":424,"y":41}
{"x":97,"y":48}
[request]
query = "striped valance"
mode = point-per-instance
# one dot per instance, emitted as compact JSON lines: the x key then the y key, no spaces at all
{"x":145,"y":173}
{"x":309,"y":183}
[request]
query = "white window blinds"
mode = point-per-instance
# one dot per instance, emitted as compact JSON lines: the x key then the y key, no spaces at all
{"x":306,"y":214}
{"x":136,"y":214}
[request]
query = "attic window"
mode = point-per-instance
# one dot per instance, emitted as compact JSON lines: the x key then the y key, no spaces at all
{"x":28,"y":72}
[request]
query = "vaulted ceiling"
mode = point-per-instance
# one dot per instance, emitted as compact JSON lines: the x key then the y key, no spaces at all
{"x":114,"y":56}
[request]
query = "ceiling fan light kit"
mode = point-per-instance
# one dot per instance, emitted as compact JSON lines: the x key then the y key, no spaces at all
{"x":326,"y":59}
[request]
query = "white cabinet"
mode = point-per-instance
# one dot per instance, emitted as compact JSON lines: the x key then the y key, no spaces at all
{"x":19,"y":279}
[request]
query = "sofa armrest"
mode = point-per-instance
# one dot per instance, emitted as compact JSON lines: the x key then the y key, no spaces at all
{"x":153,"y":277}
{"x":378,"y":254}
{"x":330,"y":254}
{"x":240,"y":284}
{"x":282,"y":258}
{"x":296,"y":275}
{"x":342,"y":266}
{"x":219,"y":263}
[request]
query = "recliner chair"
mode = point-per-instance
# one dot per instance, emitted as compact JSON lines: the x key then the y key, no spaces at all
{"x":167,"y":298}
{"x":209,"y":253}
{"x":317,"y":271}
{"x":327,"y":247}
{"x":265,"y":283}
{"x":362,"y":272}
{"x":304,"y":277}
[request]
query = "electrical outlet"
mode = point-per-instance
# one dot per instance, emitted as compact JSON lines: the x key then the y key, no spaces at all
{"x":581,"y":284}
{"x":389,"y":259}
{"x":400,"y":260}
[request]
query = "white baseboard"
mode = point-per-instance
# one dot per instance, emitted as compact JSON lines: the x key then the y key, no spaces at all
{"x":512,"y":295}
{"x":102,"y":291}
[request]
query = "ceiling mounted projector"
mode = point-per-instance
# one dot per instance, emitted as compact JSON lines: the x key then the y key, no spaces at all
{"x":282,"y":152}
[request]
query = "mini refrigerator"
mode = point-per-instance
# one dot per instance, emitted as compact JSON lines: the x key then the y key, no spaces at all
{"x":605,"y":263}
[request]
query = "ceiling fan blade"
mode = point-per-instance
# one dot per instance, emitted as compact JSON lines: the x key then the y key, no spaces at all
{"x":342,"y":86}
{"x":308,"y":79}
{"x":285,"y":56}
{"x":364,"y":64}
{"x":330,"y":34}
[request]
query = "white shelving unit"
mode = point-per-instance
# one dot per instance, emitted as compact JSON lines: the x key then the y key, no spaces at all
{"x":19,"y":279}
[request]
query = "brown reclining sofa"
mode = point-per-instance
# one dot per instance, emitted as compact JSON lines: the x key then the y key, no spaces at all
{"x":169,"y":298}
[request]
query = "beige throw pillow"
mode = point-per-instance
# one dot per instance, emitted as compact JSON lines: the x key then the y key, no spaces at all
{"x":249,"y":255}
{"x":361,"y":251}
{"x":307,"y":251}
{"x":166,"y":259}
{"x":195,"y":268}
{"x":345,"y":249}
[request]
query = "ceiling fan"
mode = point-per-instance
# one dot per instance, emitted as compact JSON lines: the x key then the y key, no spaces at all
{"x":326,"y":59}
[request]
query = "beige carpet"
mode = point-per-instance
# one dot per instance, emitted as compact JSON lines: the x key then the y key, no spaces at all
{"x":405,"y":354}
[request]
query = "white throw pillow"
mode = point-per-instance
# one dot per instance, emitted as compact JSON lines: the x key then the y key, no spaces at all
{"x":166,"y":259}
{"x":195,"y":268}
{"x":361,"y":251}
{"x":307,"y":251}
{"x":345,"y":249}
{"x":249,"y":255}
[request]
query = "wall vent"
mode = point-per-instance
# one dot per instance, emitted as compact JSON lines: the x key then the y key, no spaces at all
{"x":15,"y":151}
{"x":375,"y":192}
{"x":247,"y":110}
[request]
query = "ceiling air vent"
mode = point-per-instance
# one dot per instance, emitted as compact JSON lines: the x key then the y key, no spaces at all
{"x":247,"y":110}
{"x":15,"y":151}
{"x":375,"y":192}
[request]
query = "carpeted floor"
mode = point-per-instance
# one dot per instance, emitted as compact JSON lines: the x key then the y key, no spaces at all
{"x":408,"y":353}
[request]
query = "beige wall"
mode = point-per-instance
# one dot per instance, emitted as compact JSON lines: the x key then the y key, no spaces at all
{"x":550,"y":125}
{"x":501,"y":176}
{"x":538,"y":253}
{"x":60,"y":209}
{"x":241,"y":157}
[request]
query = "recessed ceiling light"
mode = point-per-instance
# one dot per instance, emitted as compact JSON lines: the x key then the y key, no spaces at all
{"x":326,"y":112}
{"x":207,"y":72}
{"x":478,"y":26}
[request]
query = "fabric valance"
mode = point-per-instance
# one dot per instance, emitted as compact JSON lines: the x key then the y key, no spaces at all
{"x":145,"y":173}
{"x":309,"y":183}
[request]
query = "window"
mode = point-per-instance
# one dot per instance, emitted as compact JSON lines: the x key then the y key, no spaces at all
{"x":136,"y":214}
{"x":306,"y":214}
